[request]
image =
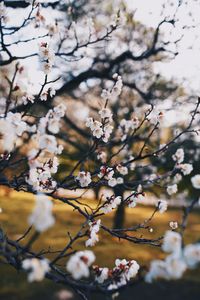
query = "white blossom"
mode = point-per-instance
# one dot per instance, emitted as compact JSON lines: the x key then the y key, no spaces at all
{"x":89,"y":122}
{"x":172,"y":267}
{"x":37,"y":268}
{"x":132,"y":201}
{"x":44,"y":95}
{"x":18,"y":124}
{"x":162,"y":206}
{"x":97,"y":132}
{"x":48,"y":142}
{"x":42,"y":217}
{"x":102,"y":275}
{"x":40,"y":174}
{"x":156,"y":117}
{"x":175,"y":267}
{"x":107,"y":132}
{"x":173,"y":225}
{"x":172,"y":242}
{"x":178,"y":156}
{"x":157,"y":270}
{"x":52,"y":92}
{"x":186,"y":169}
{"x":112,"y":182}
{"x":192,"y":255}
{"x":84,"y":178}
{"x":129,"y":269}
{"x":7,"y":140}
{"x":115,"y":91}
{"x":120,"y":180}
{"x":94,"y":229}
{"x":79,"y":263}
{"x":196,"y":181}
{"x":110,"y":203}
{"x":172,"y":189}
{"x":106,"y":172}
{"x":127,"y":125}
{"x":177,"y":178}
{"x":135,"y":198}
{"x":122,"y":169}
{"x":105,"y":113}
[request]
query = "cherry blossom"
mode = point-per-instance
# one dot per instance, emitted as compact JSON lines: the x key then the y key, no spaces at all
{"x":37,"y":268}
{"x":42,"y":217}
{"x":79,"y":263}
{"x":162,"y":206}
{"x":172,"y":189}
{"x":110,"y":203}
{"x":84,"y":178}
{"x":94,"y":229}
{"x":186,"y":169}
{"x":196,"y":181}
{"x":192,"y":255}
{"x":178,"y":156}
{"x":172,"y":242}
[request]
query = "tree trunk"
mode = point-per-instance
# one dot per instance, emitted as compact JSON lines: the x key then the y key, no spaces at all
{"x":119,"y":217}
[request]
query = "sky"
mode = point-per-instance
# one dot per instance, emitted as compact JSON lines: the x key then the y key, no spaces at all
{"x":186,"y":64}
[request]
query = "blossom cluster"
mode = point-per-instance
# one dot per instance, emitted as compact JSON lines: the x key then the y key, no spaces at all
{"x":134,"y":198}
{"x":126,"y":127}
{"x":110,"y":203}
{"x":178,"y":157}
{"x":79,"y":266}
{"x":101,"y":130}
{"x":47,"y":56}
{"x":84,"y":178}
{"x":94,"y":229}
{"x":196,"y":181}
{"x":112,"y":95}
{"x":107,"y":173}
{"x":16,"y":126}
{"x":122,"y":272}
{"x":42,"y":168}
{"x":184,"y":168}
{"x":175,"y":264}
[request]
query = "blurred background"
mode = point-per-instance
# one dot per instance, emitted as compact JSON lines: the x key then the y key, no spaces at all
{"x":163,"y":69}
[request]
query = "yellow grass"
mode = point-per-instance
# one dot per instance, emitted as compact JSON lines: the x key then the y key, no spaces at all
{"x":16,"y":208}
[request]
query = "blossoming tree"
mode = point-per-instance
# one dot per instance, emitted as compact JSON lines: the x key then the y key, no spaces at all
{"x":118,"y":135}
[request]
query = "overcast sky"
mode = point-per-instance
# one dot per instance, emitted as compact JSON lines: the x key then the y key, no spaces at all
{"x":187,"y":63}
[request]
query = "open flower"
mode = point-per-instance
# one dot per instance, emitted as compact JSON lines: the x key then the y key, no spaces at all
{"x":84,"y":178}
{"x":172,"y":242}
{"x":37,"y":268}
{"x":196,"y":181}
{"x":79,"y":263}
{"x":42,"y":217}
{"x":172,"y":189}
